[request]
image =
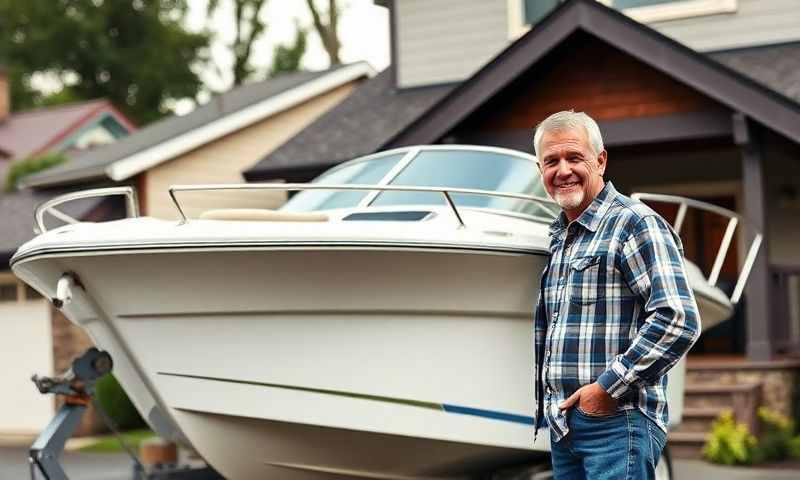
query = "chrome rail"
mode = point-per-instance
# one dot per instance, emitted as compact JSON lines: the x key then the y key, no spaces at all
{"x":446,"y":192}
{"x":132,"y":205}
{"x":734,"y":220}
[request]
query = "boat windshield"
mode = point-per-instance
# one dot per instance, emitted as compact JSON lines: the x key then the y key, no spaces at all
{"x":480,"y":169}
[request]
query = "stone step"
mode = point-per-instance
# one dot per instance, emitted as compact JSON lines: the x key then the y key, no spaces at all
{"x":698,"y":419}
{"x":686,"y":444}
{"x":716,"y":396}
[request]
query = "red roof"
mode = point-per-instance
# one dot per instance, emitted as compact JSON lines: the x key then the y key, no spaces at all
{"x":31,"y":132}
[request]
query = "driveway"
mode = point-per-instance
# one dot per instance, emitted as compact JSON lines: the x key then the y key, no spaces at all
{"x":115,"y":466}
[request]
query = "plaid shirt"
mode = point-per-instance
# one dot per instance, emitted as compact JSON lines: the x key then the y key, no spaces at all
{"x":615,"y":307}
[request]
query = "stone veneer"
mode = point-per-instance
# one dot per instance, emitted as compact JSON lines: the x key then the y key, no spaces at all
{"x":69,"y":341}
{"x":778,"y":379}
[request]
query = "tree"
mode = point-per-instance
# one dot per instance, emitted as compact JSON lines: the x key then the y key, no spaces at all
{"x":327,"y":29}
{"x":286,"y":58}
{"x":249,"y":26}
{"x":136,"y":53}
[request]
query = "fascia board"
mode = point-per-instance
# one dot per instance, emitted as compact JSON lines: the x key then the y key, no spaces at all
{"x":150,"y":157}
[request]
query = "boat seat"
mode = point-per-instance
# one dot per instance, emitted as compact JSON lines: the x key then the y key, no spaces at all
{"x":262,"y":215}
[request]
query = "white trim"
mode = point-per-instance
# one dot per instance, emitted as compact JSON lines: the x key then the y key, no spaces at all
{"x":677,"y":10}
{"x":150,"y":157}
{"x":516,"y":19}
{"x":140,"y":161}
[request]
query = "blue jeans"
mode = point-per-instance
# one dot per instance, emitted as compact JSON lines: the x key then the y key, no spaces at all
{"x":625,"y":445}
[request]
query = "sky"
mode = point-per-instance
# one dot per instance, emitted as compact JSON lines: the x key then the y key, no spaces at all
{"x":363,"y":30}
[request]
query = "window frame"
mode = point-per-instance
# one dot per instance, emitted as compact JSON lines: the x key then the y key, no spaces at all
{"x":645,"y":14}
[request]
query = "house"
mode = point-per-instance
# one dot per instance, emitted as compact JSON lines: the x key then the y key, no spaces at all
{"x":212,"y":144}
{"x":704,"y":104}
{"x":26,"y":348}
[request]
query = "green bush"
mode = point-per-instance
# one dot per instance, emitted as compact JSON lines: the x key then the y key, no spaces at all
{"x":776,"y":435}
{"x":115,"y":402}
{"x":29,"y":166}
{"x":730,"y":443}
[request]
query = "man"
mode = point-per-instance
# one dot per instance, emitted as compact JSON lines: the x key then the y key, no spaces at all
{"x":615,"y":312}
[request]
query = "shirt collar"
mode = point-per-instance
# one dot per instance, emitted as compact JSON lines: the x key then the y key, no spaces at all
{"x":591,"y":217}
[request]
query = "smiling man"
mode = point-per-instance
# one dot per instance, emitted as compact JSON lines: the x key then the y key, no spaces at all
{"x":615,"y":313}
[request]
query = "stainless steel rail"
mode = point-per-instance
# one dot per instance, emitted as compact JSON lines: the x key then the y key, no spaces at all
{"x":446,"y":192}
{"x":734,"y":219}
{"x":132,"y":204}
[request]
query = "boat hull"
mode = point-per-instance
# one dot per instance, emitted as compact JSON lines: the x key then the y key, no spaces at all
{"x":415,"y":347}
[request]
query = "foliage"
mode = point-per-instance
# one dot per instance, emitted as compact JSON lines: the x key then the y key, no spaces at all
{"x":110,"y":443}
{"x":730,"y":443}
{"x":776,"y":435}
{"x":29,"y":166}
{"x":286,"y":58}
{"x":327,"y":29}
{"x":135,"y":53}
{"x":249,"y":26}
{"x":116,"y":404}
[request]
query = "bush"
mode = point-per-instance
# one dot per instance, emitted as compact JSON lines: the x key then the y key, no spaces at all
{"x":730,"y":443}
{"x":115,"y":402}
{"x":776,"y":435}
{"x":29,"y":166}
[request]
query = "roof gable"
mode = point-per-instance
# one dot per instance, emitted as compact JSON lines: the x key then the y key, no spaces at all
{"x":710,"y":78}
{"x":172,"y":136}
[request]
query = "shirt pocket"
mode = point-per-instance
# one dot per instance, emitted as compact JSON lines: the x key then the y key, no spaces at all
{"x":587,"y":279}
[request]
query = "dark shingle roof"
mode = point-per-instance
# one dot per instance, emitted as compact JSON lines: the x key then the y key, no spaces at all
{"x":17,"y":209}
{"x":777,"y":67}
{"x":222,"y":105}
{"x":360,"y":124}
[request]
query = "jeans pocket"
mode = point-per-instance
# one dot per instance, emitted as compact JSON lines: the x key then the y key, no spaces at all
{"x":657,"y":441}
{"x":597,"y":416}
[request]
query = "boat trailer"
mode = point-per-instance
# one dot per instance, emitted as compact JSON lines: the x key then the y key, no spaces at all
{"x":76,"y":386}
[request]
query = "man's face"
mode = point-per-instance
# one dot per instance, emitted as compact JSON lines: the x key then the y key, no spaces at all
{"x":572,"y":173}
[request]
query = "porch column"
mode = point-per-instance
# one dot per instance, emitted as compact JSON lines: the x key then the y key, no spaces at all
{"x":746,"y":136}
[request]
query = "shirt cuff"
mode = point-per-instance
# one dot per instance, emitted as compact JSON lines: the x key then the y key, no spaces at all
{"x":612,"y":382}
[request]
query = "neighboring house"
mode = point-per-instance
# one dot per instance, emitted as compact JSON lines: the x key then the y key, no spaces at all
{"x":26,"y":344}
{"x":212,"y":144}
{"x":723,"y":127}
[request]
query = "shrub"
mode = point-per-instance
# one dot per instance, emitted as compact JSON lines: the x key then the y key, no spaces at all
{"x":730,"y":443}
{"x":794,"y":447}
{"x":29,"y":166}
{"x":776,"y":435}
{"x":115,"y":402}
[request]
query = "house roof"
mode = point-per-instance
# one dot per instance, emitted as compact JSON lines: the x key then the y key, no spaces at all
{"x":17,"y":217}
{"x":762,"y":82}
{"x":360,"y":124}
{"x":225,"y":113}
{"x":713,"y":79}
{"x":31,"y":132}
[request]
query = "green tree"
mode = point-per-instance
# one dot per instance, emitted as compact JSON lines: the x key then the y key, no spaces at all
{"x":327,"y":28}
{"x":136,"y":53}
{"x":249,"y":26}
{"x":286,"y":58}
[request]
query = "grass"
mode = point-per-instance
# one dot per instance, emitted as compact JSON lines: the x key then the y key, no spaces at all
{"x":110,"y":443}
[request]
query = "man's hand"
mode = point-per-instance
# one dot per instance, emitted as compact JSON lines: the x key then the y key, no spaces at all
{"x":592,"y":399}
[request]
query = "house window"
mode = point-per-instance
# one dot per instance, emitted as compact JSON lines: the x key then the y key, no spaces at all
{"x":649,"y":11}
{"x":535,"y":10}
{"x":14,"y":291}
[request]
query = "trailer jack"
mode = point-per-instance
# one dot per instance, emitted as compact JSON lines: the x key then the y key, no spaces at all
{"x":76,"y":385}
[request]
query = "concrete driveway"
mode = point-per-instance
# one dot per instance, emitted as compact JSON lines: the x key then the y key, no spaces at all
{"x":115,"y":466}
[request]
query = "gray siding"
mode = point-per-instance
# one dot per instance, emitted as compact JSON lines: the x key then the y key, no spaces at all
{"x":756,"y":22}
{"x":442,"y":41}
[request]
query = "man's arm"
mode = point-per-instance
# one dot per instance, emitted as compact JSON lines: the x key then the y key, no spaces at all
{"x":651,"y":262}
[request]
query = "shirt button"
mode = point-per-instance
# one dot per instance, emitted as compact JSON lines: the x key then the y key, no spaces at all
{"x":555,"y":314}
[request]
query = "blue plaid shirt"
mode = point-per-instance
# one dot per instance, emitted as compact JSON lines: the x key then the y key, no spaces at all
{"x":615,"y":307}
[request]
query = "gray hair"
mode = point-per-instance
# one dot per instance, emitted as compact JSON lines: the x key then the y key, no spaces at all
{"x":569,"y":120}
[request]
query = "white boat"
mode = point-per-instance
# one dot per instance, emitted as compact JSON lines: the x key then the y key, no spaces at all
{"x":377,"y":326}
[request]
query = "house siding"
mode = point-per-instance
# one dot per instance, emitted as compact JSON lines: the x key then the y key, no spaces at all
{"x":223,"y":160}
{"x":619,"y":87}
{"x":447,"y":40}
{"x":756,"y":22}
